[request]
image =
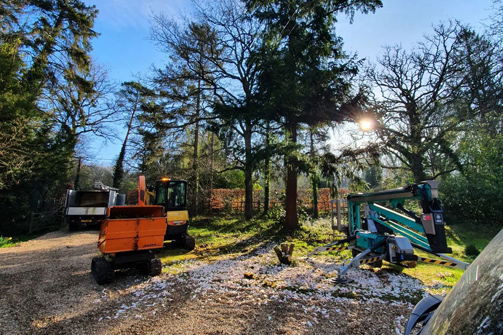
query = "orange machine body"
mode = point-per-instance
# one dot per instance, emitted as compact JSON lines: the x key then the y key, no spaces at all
{"x":132,"y":228}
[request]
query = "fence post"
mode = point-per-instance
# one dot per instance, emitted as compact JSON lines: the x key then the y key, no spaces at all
{"x":332,"y":213}
{"x":62,"y":217}
{"x":339,"y":214}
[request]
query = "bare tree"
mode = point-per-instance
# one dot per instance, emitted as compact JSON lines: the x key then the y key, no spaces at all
{"x":215,"y":49}
{"x":422,"y":99}
{"x":77,"y":110}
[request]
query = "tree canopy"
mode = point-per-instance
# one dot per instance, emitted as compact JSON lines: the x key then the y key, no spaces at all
{"x":245,"y":98}
{"x":48,"y":98}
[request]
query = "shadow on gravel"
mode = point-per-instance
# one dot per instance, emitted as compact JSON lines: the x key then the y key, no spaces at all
{"x":261,"y":241}
{"x":273,"y":318}
{"x":103,"y":315}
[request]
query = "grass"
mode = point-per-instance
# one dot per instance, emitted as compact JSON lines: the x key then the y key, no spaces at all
{"x":437,"y":278}
{"x":441,"y":279}
{"x":459,"y":236}
{"x":228,"y":236}
{"x":224,"y":235}
{"x":6,"y":242}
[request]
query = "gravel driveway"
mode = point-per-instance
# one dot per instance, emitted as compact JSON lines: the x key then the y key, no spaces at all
{"x":47,"y":288}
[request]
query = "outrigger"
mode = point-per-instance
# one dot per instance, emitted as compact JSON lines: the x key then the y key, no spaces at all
{"x":382,"y":233}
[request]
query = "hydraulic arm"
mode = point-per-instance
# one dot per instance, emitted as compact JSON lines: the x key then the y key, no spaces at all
{"x":425,"y":230}
{"x":381,"y":228}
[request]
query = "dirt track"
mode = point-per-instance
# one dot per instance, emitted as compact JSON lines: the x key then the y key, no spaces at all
{"x":46,"y":288}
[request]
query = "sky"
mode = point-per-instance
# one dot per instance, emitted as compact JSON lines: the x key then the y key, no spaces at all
{"x":124,"y":49}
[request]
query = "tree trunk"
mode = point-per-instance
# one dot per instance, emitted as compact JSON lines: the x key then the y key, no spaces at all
{"x":77,"y":177}
{"x":119,"y":168}
{"x":212,"y":150}
{"x":267,"y":173}
{"x":314,"y":178}
{"x":417,"y":167}
{"x":248,"y":172}
{"x":291,"y":219}
{"x":314,"y":185}
{"x":416,"y":129}
{"x":119,"y":165}
{"x":195,"y":165}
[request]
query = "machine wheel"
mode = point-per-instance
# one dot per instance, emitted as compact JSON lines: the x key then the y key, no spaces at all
{"x":154,"y":267}
{"x":354,"y":252}
{"x":188,"y":242}
{"x":102,"y":271}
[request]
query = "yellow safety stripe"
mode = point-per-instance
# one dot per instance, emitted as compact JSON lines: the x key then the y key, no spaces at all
{"x":436,"y":261}
{"x":336,"y":248}
{"x":370,"y":260}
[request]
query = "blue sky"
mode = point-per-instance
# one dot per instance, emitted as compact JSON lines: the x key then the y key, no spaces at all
{"x":123,"y":46}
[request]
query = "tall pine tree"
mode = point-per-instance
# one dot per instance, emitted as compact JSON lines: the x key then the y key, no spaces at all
{"x":304,"y":73}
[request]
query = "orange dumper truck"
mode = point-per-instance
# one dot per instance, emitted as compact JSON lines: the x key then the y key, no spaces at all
{"x":130,"y":235}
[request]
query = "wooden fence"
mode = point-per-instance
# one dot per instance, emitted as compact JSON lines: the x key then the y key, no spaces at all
{"x":227,"y":200}
{"x":45,"y":220}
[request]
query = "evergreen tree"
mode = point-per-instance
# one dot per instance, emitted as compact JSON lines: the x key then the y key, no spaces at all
{"x":44,"y":49}
{"x":304,"y":74}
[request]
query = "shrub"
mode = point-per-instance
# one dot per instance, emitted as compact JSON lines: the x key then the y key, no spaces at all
{"x":471,"y":201}
{"x":471,"y":250}
{"x":5,"y":241}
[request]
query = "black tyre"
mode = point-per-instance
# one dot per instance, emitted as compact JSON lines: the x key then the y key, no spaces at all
{"x":354,"y":252}
{"x":102,"y":271}
{"x":188,"y":242}
{"x":155,"y":267}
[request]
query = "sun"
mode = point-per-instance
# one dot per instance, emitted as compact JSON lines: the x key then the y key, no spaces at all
{"x":366,"y":124}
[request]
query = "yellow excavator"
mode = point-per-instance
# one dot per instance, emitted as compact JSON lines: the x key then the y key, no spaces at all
{"x":172,"y":195}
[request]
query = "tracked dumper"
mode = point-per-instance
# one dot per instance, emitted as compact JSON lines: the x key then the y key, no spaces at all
{"x":131,"y":235}
{"x":128,"y":238}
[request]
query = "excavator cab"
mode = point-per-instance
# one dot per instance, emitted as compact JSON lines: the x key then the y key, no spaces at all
{"x":172,"y":195}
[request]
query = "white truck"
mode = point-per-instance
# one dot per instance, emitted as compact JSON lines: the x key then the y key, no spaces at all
{"x":88,"y":208}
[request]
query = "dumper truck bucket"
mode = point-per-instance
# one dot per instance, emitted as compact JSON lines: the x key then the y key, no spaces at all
{"x":132,"y":228}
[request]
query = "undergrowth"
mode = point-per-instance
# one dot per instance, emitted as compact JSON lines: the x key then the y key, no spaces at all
{"x":6,"y":242}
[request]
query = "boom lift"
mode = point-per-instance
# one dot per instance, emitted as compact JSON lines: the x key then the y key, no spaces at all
{"x":386,"y":234}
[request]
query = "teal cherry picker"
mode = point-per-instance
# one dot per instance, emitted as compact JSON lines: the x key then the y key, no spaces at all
{"x":381,"y":228}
